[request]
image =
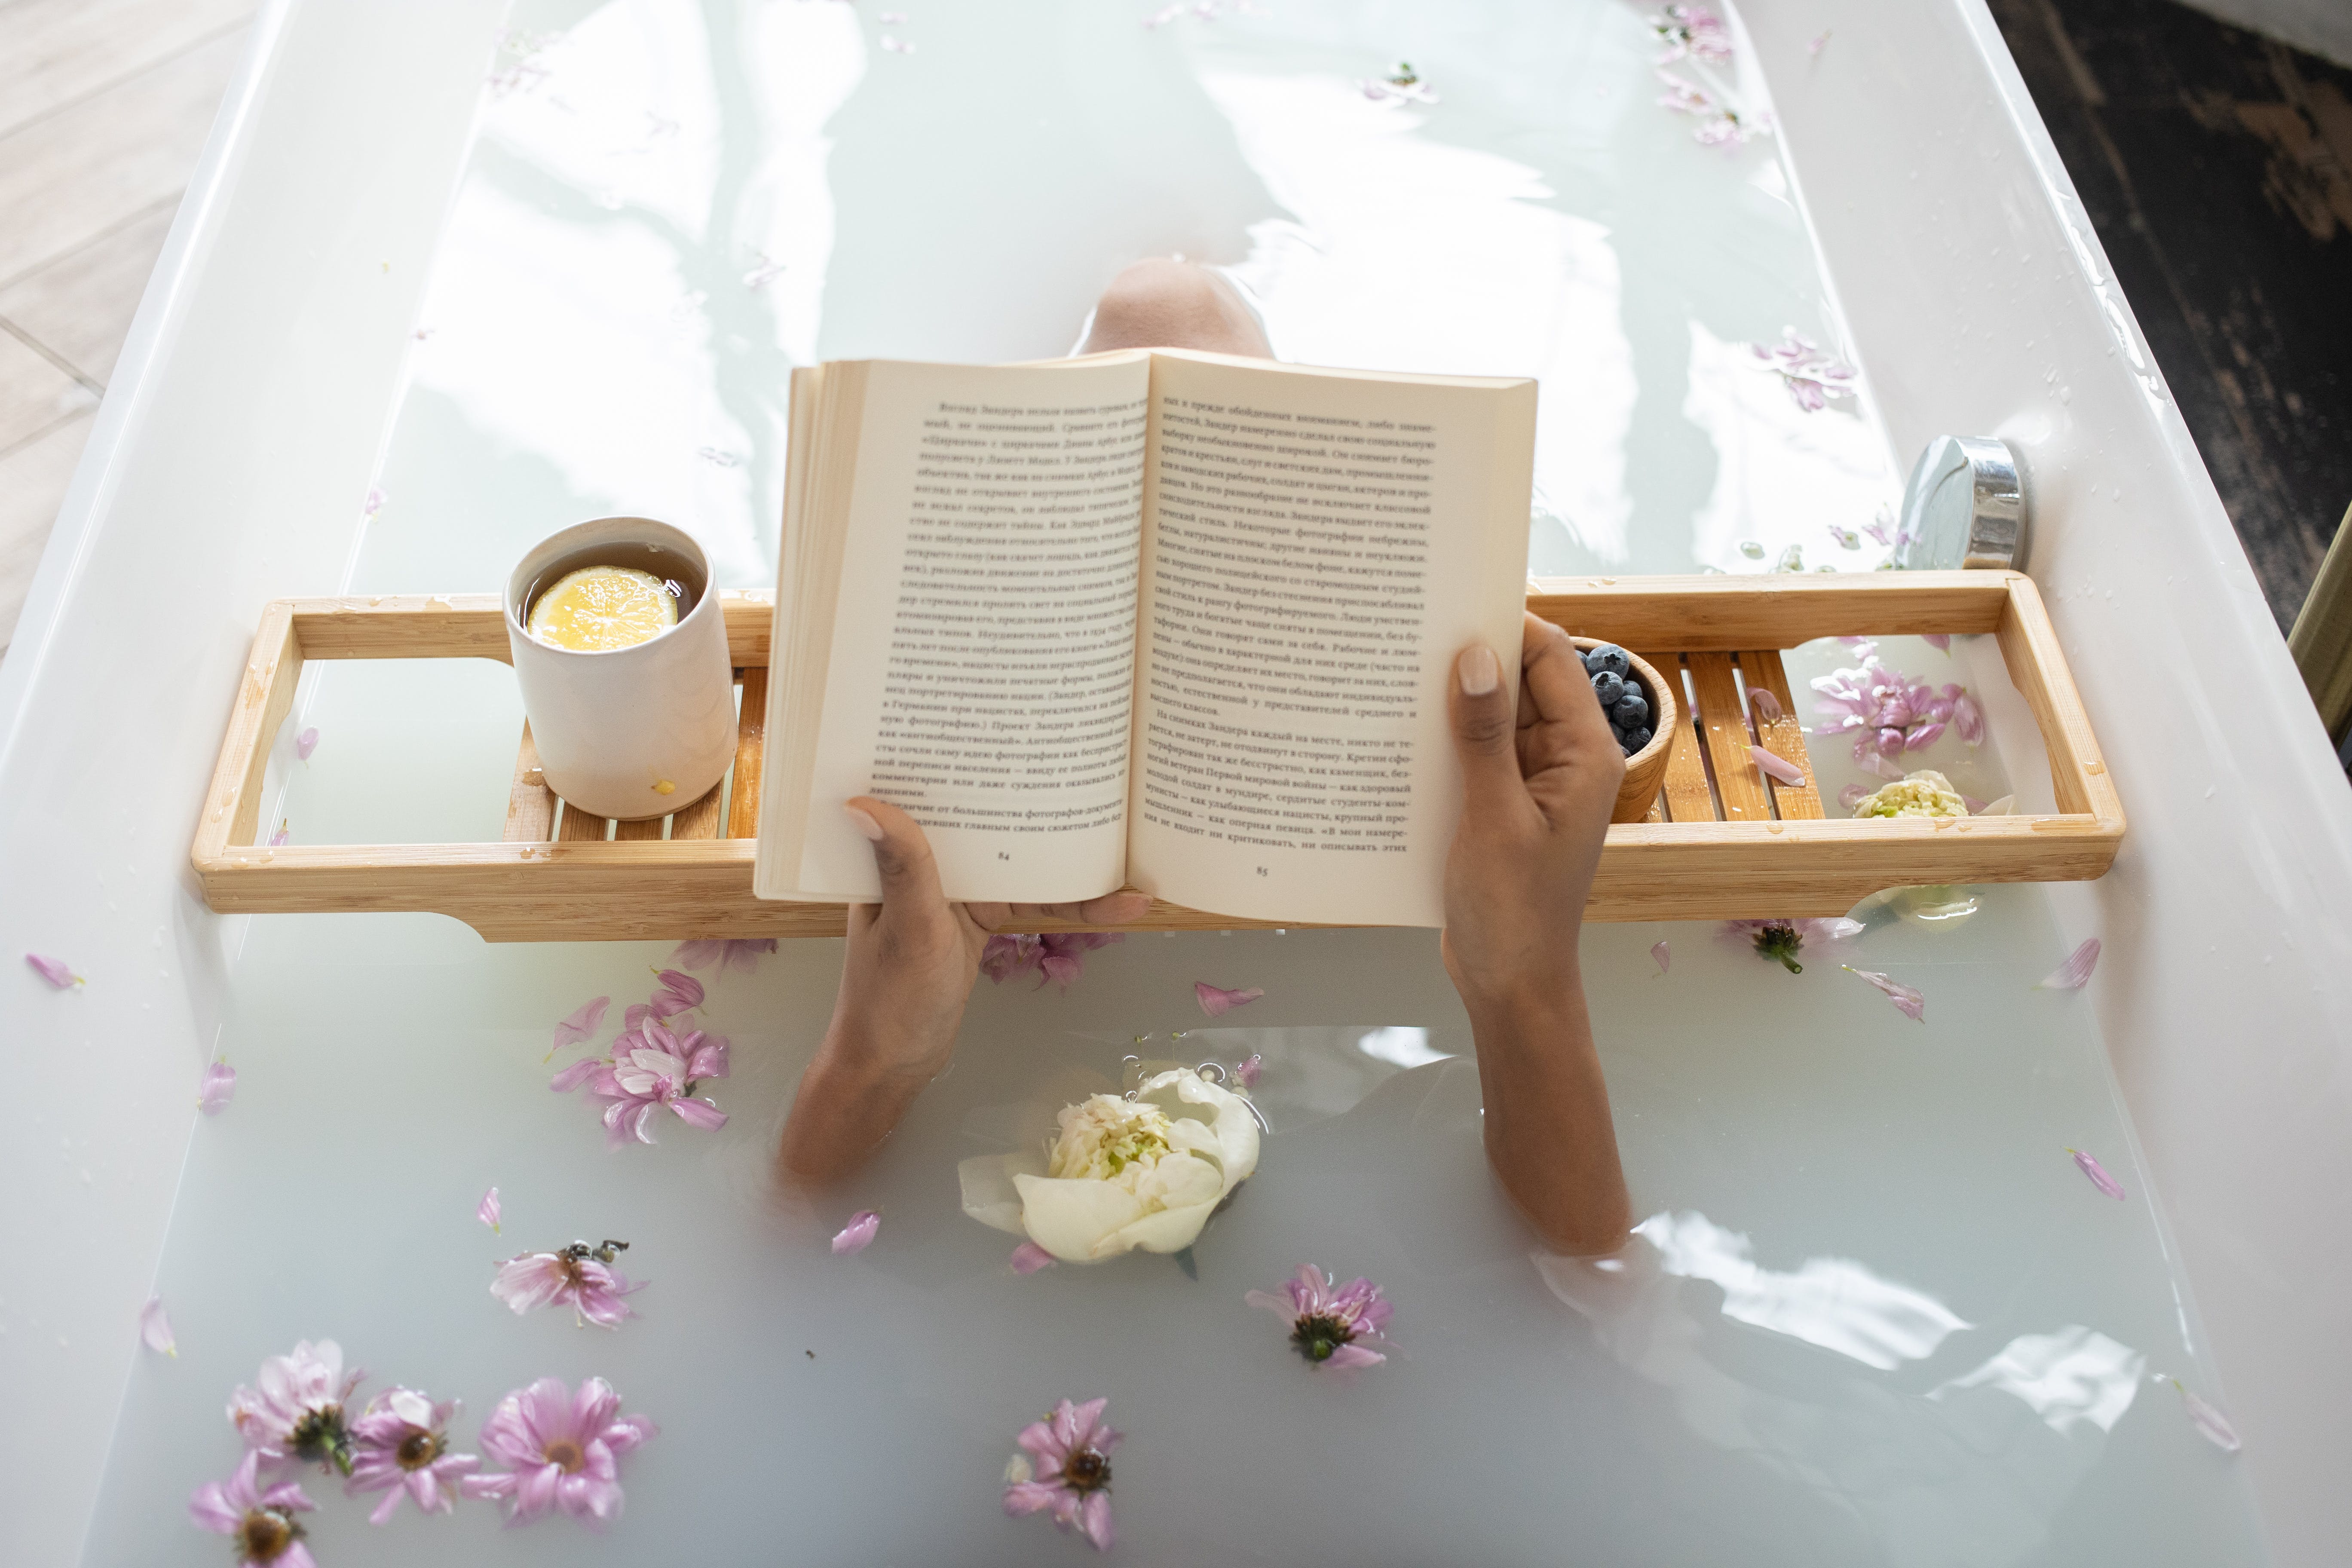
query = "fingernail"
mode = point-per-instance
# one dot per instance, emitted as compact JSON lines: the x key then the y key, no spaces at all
{"x":863,"y":822}
{"x":1479,"y":671}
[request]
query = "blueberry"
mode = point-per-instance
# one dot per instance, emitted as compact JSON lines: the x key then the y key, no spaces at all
{"x":1632,"y":710}
{"x":1610,"y":688}
{"x":1610,"y":658}
{"x":1634,"y":740}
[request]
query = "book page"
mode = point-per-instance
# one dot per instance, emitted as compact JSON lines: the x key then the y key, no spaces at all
{"x":980,"y":670}
{"x":1319,"y":546}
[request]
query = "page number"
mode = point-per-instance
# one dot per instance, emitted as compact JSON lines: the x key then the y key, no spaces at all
{"x":1002,"y":855}
{"x":1261,"y":870}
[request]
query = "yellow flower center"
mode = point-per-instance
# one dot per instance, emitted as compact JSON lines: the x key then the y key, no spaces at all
{"x":566,"y":1455}
{"x":1103,"y":1135}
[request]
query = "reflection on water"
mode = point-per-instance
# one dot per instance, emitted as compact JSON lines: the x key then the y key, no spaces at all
{"x":1835,"y":1344}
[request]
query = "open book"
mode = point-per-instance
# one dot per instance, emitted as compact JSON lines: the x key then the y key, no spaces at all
{"x":1176,"y":621}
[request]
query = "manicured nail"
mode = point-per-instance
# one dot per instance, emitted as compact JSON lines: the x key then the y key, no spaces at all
{"x":1479,"y":671}
{"x":863,"y":822}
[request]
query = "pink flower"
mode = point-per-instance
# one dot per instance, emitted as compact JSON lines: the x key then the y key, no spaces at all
{"x":155,"y":1328}
{"x":1780,"y":940}
{"x":1692,"y":30}
{"x":650,"y":1067}
{"x":1028,"y":1257}
{"x":1065,"y":1468}
{"x":487,"y":1211}
{"x":581,"y":1023}
{"x":216,"y":1088}
{"x":295,"y":1416}
{"x":2091,"y":1167}
{"x":2076,"y":972}
{"x":1908,"y":1002}
{"x":1216,"y":1004}
{"x":1057,"y":956}
{"x":1330,"y":1327}
{"x":727,"y":955}
{"x":1665,"y":954}
{"x":402,"y":1449}
{"x":54,"y":971}
{"x":1246,"y":1072}
{"x":1719,"y":124}
{"x":261,"y":1522}
{"x":579,"y":1277}
{"x":858,"y":1234}
{"x":306,"y":742}
{"x":1888,"y":713}
{"x":1402,"y":85}
{"x":1811,"y":376}
{"x":563,"y":1451}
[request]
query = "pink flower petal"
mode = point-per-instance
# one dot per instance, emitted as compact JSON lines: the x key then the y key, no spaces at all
{"x":2076,"y":972}
{"x":1815,"y":48}
{"x":1247,"y":1073}
{"x":1767,"y":707}
{"x":2098,"y":1175}
{"x":1975,"y":807}
{"x":54,"y":971}
{"x":285,"y":831}
{"x":1780,"y":768}
{"x":1851,"y":796}
{"x":217,"y":1088}
{"x":2215,"y":1425}
{"x":858,"y":1234}
{"x":581,"y":1024}
{"x":695,"y":1113}
{"x":1940,"y":641}
{"x":1028,"y":1257}
{"x":306,"y":742}
{"x":155,"y":1328}
{"x":487,"y":1211}
{"x":1967,"y":719}
{"x":1909,"y":1003}
{"x":1216,"y":1002}
{"x":1665,"y":954}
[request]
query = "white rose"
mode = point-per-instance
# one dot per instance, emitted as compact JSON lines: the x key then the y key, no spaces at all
{"x":1121,"y":1174}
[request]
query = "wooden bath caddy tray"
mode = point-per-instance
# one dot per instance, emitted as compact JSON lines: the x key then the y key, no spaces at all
{"x":1722,"y":841}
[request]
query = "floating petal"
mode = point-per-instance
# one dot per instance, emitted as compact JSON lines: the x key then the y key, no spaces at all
{"x":1665,"y":954}
{"x":1909,"y":1003}
{"x":54,"y":971}
{"x":1247,"y":1073}
{"x":487,"y":1211}
{"x":217,"y":1088}
{"x":858,"y":1234}
{"x":2098,"y":1175}
{"x":1216,"y":1002}
{"x":2211,"y":1423}
{"x":1851,"y":796}
{"x":582,"y":1023}
{"x":1028,"y":1257}
{"x":155,"y":1328}
{"x":2076,"y":972}
{"x":1772,"y":766}
{"x":1967,"y":719}
{"x":1940,"y":641}
{"x":306,"y":742}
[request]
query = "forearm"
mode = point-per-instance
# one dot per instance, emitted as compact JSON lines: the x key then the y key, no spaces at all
{"x":1547,"y":1128}
{"x":846,"y":1106}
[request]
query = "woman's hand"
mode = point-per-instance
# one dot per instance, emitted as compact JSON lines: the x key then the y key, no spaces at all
{"x":1537,"y":789}
{"x":909,"y":969}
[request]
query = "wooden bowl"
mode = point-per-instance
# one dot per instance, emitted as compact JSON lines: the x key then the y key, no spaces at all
{"x":1645,"y":770}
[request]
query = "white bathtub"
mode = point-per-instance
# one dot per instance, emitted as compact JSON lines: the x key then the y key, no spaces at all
{"x":228,"y":463}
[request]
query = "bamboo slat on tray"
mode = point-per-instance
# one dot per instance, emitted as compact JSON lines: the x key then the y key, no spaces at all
{"x":1737,"y":781}
{"x":1783,"y":737}
{"x":1687,"y":796}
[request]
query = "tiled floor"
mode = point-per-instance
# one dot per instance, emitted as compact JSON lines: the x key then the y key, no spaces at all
{"x":104,"y":106}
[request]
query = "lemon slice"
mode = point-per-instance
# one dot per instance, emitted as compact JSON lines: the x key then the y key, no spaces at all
{"x":599,"y":608}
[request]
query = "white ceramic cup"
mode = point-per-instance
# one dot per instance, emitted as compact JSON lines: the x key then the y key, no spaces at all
{"x":629,"y":733}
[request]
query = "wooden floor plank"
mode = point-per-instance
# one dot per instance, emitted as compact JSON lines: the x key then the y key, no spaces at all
{"x":1688,"y":796}
{"x":100,"y":162}
{"x":1783,"y":737}
{"x":59,"y":51}
{"x":1724,"y":726}
{"x":78,"y":307}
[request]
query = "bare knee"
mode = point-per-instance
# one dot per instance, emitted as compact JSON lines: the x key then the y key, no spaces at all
{"x":1160,"y":303}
